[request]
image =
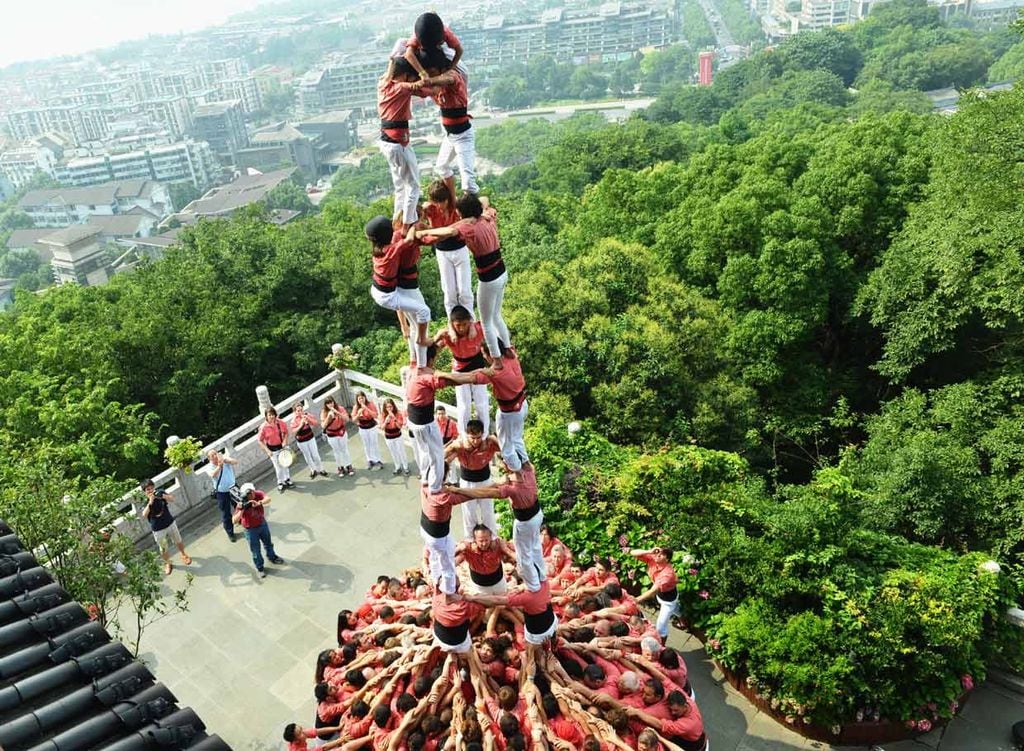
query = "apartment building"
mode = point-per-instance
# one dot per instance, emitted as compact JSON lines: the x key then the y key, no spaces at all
{"x":185,"y":161}
{"x":222,"y":125}
{"x":345,"y":82}
{"x":62,"y":207}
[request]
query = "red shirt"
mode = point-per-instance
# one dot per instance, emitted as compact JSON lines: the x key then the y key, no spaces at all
{"x":689,"y":727}
{"x":593,"y":578}
{"x":453,"y":100}
{"x":392,"y":424}
{"x":508,"y":383}
{"x":532,"y":603}
{"x":274,"y":433}
{"x":466,"y":350}
{"x":302,"y":431}
{"x":357,"y":727}
{"x":523,"y":492}
{"x":386,"y":265}
{"x":483,"y":561}
{"x":453,"y":614}
{"x":335,"y":425}
{"x":481,"y":237}
{"x":328,"y":711}
{"x":366,"y":418}
{"x":449,"y":429}
{"x":438,"y":506}
{"x":449,"y":38}
{"x":394,"y":105}
{"x":547,"y":547}
{"x":662,"y":575}
{"x":380,"y":737}
{"x":441,"y":216}
{"x":477,"y":458}
{"x":421,"y":388}
{"x":299,"y":744}
{"x":254,"y":516}
{"x":567,"y":730}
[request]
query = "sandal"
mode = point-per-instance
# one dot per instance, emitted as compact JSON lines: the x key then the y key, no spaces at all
{"x":168,"y":568}
{"x":186,"y":560}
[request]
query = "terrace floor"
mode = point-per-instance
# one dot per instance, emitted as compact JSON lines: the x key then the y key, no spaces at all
{"x":243,"y":654}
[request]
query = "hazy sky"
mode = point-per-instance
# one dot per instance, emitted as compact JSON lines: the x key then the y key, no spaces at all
{"x":34,"y":29}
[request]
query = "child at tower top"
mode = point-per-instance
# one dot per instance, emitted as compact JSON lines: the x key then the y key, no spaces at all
{"x":429,"y":32}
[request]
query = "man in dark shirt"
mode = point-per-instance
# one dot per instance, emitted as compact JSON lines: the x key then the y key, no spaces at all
{"x":161,"y":521}
{"x":254,"y":521}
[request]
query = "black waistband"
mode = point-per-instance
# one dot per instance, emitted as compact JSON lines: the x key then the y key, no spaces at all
{"x":450,"y":243}
{"x":413,"y":283}
{"x":366,"y":424}
{"x":453,"y":636}
{"x":668,"y":595}
{"x":469,"y":363}
{"x":392,"y":432}
{"x":475,"y":475}
{"x":525,"y":514}
{"x":695,"y":745}
{"x":408,"y":270}
{"x":437,"y":530}
{"x":511,"y":402}
{"x":454,"y":111}
{"x":492,"y":274}
{"x":421,"y":414}
{"x":383,"y":288}
{"x":304,"y":434}
{"x":275,"y":447}
{"x":487,"y":580}
{"x":457,"y":128}
{"x":482,"y":262}
{"x":394,"y":124}
{"x":541,"y":622}
{"x":336,"y":433}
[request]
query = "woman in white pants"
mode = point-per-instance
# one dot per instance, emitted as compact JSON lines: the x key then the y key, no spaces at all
{"x":365,"y":414}
{"x":304,"y":426}
{"x":453,"y":261}
{"x":465,"y":338}
{"x":664,"y":584}
{"x":334,"y":419}
{"x":391,"y":422}
{"x":273,"y":437}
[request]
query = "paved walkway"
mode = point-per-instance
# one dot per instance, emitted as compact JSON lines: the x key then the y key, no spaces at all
{"x":243,"y":655}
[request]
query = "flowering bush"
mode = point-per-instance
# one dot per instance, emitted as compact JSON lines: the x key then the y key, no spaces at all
{"x":830,"y":621}
{"x":183,"y":454}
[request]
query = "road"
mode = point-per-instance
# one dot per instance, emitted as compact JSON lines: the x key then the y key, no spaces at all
{"x":722,"y":35}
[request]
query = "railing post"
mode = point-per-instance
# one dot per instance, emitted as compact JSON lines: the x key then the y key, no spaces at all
{"x":344,"y":392}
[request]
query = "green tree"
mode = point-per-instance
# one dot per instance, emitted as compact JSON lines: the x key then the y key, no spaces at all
{"x":508,"y":93}
{"x":829,"y":49}
{"x":289,"y":195}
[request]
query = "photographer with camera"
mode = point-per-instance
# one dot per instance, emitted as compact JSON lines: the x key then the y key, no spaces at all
{"x":252,"y":518}
{"x":161,"y":521}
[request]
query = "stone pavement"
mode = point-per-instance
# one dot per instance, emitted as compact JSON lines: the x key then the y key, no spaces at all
{"x":243,"y":655}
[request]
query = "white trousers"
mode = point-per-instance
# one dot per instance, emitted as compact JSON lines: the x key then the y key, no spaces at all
{"x":489,"y":297}
{"x":529,"y":553}
{"x":499,"y":589}
{"x":456,"y":269}
{"x":411,"y":303}
{"x":405,"y":177}
{"x":398,"y":455}
{"x":665,"y":612}
{"x":429,"y":454}
{"x":540,"y":639}
{"x":283,"y":473}
{"x":460,"y":149}
{"x":441,"y":551}
{"x":477,"y":511}
{"x":470,"y":395}
{"x":311,"y":453}
{"x":509,"y":427}
{"x":339,"y":445}
{"x":371,"y":444}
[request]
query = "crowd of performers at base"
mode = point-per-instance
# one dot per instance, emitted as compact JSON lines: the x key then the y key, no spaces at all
{"x":418,"y":671}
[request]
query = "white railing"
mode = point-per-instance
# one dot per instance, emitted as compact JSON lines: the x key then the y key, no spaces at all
{"x":193,"y":490}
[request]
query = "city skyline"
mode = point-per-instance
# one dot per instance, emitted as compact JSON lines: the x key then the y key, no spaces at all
{"x":31,"y":36}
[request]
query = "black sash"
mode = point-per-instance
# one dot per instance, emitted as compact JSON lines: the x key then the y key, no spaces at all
{"x":668,"y":595}
{"x":421,"y":414}
{"x":278,"y":447}
{"x":509,"y":405}
{"x":366,"y":424}
{"x":540,"y":623}
{"x":469,"y":363}
{"x":437,"y":530}
{"x":392,"y":432}
{"x":475,"y":475}
{"x":487,"y":580}
{"x":384,"y":288}
{"x":450,"y":243}
{"x":305,"y":434}
{"x":392,"y":124}
{"x":453,"y":636}
{"x":525,"y":514}
{"x":695,"y":745}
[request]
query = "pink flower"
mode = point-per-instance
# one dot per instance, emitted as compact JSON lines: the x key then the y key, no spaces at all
{"x":692,"y":572}
{"x":631,"y":575}
{"x":704,"y":594}
{"x":623,"y":540}
{"x":911,"y":724}
{"x":924,"y":725}
{"x":967,"y":681}
{"x":715,"y":644}
{"x":953,"y":707}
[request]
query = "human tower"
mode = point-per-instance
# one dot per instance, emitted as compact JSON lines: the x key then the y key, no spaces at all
{"x":485,"y":645}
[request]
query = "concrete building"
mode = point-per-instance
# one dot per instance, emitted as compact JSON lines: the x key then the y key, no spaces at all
{"x":172,"y":112}
{"x":338,"y":128}
{"x":187,"y":161}
{"x":283,"y":144}
{"x":6,"y":293}
{"x":222,"y":125}
{"x":995,"y":13}
{"x":611,"y":32}
{"x":245,"y":89}
{"x":61,"y":207}
{"x":346,"y":82}
{"x":40,"y":154}
{"x":224,"y":200}
{"x":79,"y":256}
{"x":79,"y":124}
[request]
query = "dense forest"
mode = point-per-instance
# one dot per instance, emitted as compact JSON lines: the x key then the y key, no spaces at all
{"x":787,"y":305}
